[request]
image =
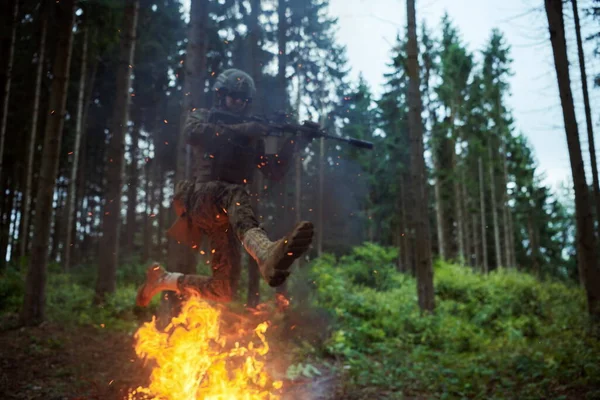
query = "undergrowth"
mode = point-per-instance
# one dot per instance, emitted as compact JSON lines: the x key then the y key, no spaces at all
{"x":504,"y":335}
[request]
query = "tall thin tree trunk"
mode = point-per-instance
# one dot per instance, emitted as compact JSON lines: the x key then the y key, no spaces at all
{"x":7,"y":54}
{"x":57,"y":227}
{"x":39,"y":75}
{"x":5,"y":213}
{"x":588,"y":115}
{"x":320,"y":223}
{"x":282,"y":56}
{"x":505,"y":209}
{"x":424,"y":269}
{"x":158,"y":245}
{"x":180,"y":258}
{"x":586,"y":239}
{"x":534,"y":246}
{"x":253,"y":292}
{"x":484,"y":265}
{"x":70,"y":207}
{"x":476,"y":240}
{"x":132,"y":187}
{"x":403,"y":259}
{"x":149,"y":205}
{"x":439,"y":210}
{"x":460,"y":242}
{"x":115,"y":152}
{"x":494,"y":204}
{"x":35,"y":287}
{"x":459,"y":215}
{"x":465,"y":215}
{"x":511,"y":231}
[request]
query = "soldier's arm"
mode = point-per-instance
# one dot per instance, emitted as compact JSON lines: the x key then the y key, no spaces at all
{"x":198,"y":131}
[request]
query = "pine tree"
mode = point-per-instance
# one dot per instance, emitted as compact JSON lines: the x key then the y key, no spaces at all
{"x":33,"y":311}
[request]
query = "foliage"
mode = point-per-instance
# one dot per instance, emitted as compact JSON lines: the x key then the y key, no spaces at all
{"x":496,"y":336}
{"x":69,"y":298}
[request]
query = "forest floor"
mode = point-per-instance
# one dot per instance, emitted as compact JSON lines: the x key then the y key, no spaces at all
{"x":53,"y":362}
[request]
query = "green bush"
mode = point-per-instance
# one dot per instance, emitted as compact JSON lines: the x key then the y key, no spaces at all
{"x":12,"y":290}
{"x":502,"y":335}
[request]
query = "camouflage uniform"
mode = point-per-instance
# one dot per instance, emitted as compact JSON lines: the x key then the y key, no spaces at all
{"x":215,"y":202}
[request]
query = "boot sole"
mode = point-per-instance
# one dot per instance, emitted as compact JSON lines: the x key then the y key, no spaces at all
{"x":297,"y":242}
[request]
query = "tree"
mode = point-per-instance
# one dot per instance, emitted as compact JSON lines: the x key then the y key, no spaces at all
{"x":109,"y":244}
{"x":588,"y":114}
{"x":70,"y":206}
{"x":35,"y":285}
{"x":26,"y":205}
{"x":7,"y":50}
{"x":424,"y":268}
{"x":586,"y":238}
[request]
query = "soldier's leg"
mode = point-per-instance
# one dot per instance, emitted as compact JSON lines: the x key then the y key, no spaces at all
{"x":274,"y":258}
{"x":225,"y":265}
{"x":201,"y":214}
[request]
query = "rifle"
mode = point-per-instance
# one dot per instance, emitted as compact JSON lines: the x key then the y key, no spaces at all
{"x":278,"y":126}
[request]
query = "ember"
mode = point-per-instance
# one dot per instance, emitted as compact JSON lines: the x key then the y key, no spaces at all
{"x":194,"y":360}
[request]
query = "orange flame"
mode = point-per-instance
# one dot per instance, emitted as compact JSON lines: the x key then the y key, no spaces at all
{"x":193,"y":360}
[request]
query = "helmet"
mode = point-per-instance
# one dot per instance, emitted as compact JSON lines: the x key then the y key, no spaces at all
{"x":237,"y":82}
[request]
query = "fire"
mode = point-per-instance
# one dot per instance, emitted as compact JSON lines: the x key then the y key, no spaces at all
{"x":194,"y":360}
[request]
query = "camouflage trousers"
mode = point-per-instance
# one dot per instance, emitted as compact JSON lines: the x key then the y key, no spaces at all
{"x":223,"y":213}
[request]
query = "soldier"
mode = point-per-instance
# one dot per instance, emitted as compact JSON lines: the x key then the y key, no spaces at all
{"x":217,"y":204}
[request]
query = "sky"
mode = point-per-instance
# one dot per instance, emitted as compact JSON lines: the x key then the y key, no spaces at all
{"x":368,"y":30}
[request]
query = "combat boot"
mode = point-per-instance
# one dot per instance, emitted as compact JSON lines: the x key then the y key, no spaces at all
{"x":275,"y":258}
{"x":157,"y":280}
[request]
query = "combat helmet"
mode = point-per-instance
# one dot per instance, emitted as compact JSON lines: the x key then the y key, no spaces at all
{"x":234,"y":81}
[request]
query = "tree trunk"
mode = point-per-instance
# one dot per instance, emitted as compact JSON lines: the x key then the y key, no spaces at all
{"x":12,"y":239}
{"x":282,"y":56}
{"x":5,"y":212}
{"x":70,"y":206}
{"x":494,"y":204}
{"x":57,"y":227}
{"x":255,"y":49}
{"x":39,"y":75}
{"x":460,"y":245}
{"x":181,"y":258}
{"x":424,"y":269}
{"x":586,"y":240}
{"x":511,"y":231}
{"x":588,"y":115}
{"x":158,"y":253}
{"x":253,"y":295}
{"x":484,"y":265}
{"x":403,"y":259}
{"x":465,"y":215}
{"x":35,"y":287}
{"x":534,"y":246}
{"x":7,"y":51}
{"x":115,"y":152}
{"x":476,"y":247}
{"x":320,"y":224}
{"x":439,"y":210}
{"x":505,"y":210}
{"x":132,"y":187}
{"x":149,"y":205}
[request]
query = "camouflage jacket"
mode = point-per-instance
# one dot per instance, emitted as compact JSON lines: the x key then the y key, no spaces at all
{"x":221,"y":153}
